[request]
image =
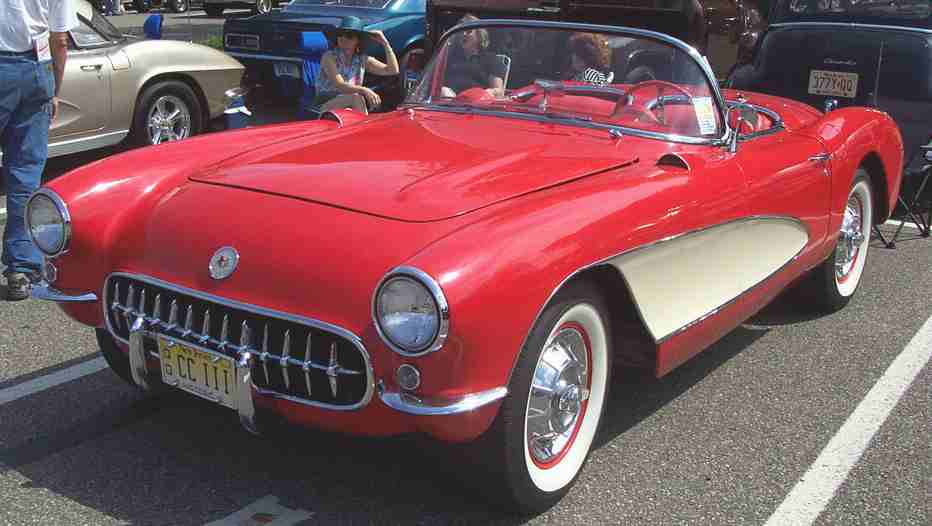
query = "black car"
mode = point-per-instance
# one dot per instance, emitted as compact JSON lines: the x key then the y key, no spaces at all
{"x":836,"y":53}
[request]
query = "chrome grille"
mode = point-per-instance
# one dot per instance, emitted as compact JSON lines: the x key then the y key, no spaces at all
{"x":299,"y":359}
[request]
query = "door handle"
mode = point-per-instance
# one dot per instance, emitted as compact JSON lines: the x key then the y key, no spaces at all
{"x":95,"y":67}
{"x":821,"y":158}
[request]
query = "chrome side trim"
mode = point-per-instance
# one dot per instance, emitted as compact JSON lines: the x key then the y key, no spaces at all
{"x":853,"y":25}
{"x":412,"y":405}
{"x":44,"y":291}
{"x":265,"y":57}
{"x":241,"y":351}
{"x":86,"y":143}
{"x":65,"y":217}
{"x":443,"y":309}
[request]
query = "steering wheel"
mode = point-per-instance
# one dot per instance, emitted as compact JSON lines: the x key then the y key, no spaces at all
{"x":623,"y":104}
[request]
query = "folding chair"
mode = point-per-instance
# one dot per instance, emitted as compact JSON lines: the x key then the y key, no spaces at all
{"x":912,"y":206}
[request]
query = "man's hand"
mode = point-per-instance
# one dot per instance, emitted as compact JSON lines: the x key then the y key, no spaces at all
{"x":372,"y":98}
{"x":54,"y":103}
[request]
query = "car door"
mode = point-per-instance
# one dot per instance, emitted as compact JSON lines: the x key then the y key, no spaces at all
{"x":788,"y":175}
{"x":84,"y":99}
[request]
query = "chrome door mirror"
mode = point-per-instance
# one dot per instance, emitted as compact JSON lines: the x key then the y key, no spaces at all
{"x":740,"y":117}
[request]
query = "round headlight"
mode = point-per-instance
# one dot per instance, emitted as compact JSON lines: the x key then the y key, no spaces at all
{"x":48,"y":221}
{"x":411,"y":313}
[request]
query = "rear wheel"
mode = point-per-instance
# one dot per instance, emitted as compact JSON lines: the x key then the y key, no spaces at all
{"x":179,"y":6}
{"x":262,"y":7}
{"x":167,"y":111}
{"x":543,"y":433}
{"x":837,"y":279}
{"x":213,"y":11}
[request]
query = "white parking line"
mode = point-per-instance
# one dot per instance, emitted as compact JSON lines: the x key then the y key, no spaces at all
{"x":265,"y":511}
{"x":51,"y":380}
{"x":818,"y":485}
{"x":896,"y":223}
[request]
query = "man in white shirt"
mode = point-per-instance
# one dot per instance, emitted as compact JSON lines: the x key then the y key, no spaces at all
{"x":33,"y":50}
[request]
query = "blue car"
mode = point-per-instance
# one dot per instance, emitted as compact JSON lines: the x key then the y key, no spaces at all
{"x":282,"y":50}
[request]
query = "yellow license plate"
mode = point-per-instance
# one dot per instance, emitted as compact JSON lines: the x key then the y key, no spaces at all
{"x":833,"y":83}
{"x":198,"y":372}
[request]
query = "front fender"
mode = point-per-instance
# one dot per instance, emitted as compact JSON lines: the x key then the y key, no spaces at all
{"x":109,"y":201}
{"x":853,"y":135}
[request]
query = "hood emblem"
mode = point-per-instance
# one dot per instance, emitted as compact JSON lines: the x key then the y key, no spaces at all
{"x":840,"y":62}
{"x":223,"y":263}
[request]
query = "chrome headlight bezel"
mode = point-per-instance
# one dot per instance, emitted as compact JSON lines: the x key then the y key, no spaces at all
{"x":440,"y":302}
{"x":59,"y":204}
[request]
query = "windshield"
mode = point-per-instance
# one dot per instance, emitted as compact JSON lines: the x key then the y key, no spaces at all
{"x":105,"y":28}
{"x":298,"y":4}
{"x":910,"y":12}
{"x":619,"y":78}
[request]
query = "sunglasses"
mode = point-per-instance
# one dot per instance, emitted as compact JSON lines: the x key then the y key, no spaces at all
{"x":347,"y":34}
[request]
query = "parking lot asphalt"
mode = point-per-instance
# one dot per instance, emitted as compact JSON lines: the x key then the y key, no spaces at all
{"x":724,"y":439}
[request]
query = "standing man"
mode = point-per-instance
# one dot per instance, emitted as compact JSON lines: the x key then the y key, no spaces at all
{"x":33,"y":50}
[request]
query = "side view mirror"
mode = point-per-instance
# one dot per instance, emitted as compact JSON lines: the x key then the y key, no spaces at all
{"x":741,"y":121}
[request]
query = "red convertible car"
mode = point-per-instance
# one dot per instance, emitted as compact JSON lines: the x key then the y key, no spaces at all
{"x":471,"y":265}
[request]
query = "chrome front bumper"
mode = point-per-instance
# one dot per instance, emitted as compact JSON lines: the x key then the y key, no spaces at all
{"x":44,"y":291}
{"x":412,"y":405}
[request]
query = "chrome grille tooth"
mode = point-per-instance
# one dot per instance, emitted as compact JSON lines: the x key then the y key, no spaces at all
{"x":157,"y":308}
{"x":283,"y":362}
{"x":130,"y":299}
{"x":116,"y":295}
{"x":224,"y":332}
{"x":307,"y":364}
{"x":188,"y":321}
{"x":205,"y":327}
{"x":142,"y":302}
{"x":245,"y":337}
{"x":333,"y":370}
{"x":115,"y":306}
{"x":173,"y":315}
{"x":264,"y":356}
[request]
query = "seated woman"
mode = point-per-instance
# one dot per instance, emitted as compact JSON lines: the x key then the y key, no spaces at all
{"x":342,"y":69}
{"x":590,"y":57}
{"x":471,"y":65}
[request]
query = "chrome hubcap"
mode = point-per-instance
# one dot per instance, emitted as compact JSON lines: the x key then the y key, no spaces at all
{"x":169,"y":120}
{"x":850,"y":238}
{"x":559,"y":391}
{"x":264,"y":6}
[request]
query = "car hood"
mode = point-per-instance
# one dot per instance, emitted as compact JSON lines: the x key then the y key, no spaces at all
{"x":421,"y":165}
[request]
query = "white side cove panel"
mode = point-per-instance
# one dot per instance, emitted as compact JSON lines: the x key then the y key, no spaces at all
{"x":679,"y":281}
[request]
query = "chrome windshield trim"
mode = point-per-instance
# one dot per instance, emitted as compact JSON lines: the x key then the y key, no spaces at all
{"x":610,"y":128}
{"x":704,"y":66}
{"x":265,"y":57}
{"x":261,"y":311}
{"x":853,"y":25}
{"x":412,"y":405}
{"x":44,"y":291}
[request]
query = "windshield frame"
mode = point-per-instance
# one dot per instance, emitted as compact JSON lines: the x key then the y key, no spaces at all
{"x":620,"y":31}
{"x":298,"y":5}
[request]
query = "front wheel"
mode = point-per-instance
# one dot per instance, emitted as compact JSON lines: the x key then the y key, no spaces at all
{"x":262,"y":7}
{"x":543,"y":433}
{"x":167,"y":111}
{"x":115,"y":358}
{"x":837,"y":279}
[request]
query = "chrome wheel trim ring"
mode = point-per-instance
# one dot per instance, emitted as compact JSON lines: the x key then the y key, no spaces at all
{"x":264,"y":6}
{"x":562,"y":471}
{"x":853,"y":239}
{"x":559,"y":392}
{"x":169,"y":119}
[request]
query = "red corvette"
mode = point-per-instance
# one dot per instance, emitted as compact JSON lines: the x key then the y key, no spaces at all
{"x":470,"y":265}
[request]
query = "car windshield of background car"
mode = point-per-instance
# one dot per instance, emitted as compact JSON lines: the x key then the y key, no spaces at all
{"x":297,"y":5}
{"x":911,"y":11}
{"x":105,"y":28}
{"x":618,"y":79}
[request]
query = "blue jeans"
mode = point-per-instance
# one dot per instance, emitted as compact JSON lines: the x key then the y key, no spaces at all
{"x":26,"y":89}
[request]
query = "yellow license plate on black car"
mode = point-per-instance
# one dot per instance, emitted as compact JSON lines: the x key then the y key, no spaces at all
{"x":198,"y":372}
{"x":833,"y":83}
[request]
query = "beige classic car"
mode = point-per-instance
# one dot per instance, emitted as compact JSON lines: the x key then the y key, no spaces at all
{"x":123,"y":88}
